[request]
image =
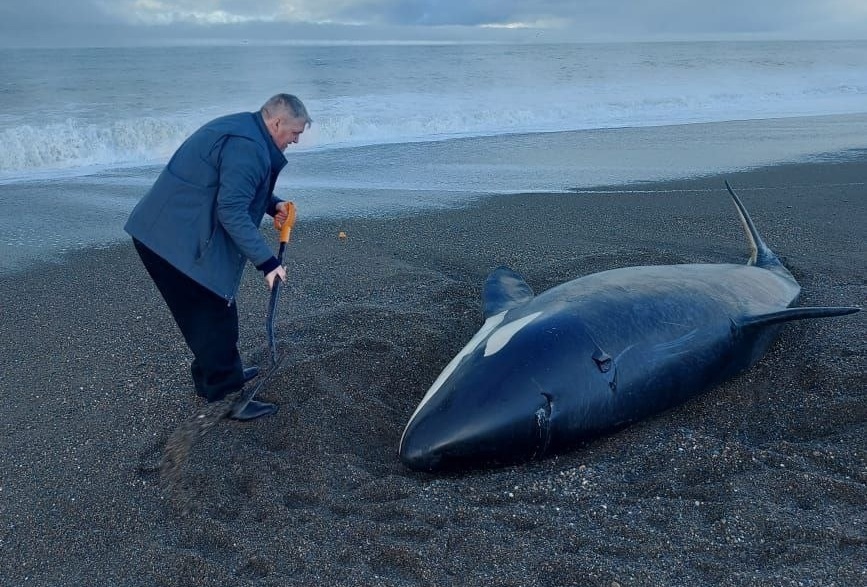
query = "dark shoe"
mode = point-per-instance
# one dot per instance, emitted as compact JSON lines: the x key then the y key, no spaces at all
{"x":250,"y":373}
{"x":254,"y":409}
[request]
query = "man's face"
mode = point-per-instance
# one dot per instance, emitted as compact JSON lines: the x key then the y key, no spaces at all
{"x":286,"y":131}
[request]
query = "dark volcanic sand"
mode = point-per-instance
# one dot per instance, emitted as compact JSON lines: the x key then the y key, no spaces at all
{"x":761,"y":481}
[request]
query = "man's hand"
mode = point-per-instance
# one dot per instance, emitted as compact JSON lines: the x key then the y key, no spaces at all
{"x":278,"y":273}
{"x":282,"y":213}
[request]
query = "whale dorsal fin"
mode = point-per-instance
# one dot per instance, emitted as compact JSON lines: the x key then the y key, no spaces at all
{"x":790,"y":314}
{"x":504,"y":289}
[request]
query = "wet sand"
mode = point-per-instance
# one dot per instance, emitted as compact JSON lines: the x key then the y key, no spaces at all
{"x":110,"y":477}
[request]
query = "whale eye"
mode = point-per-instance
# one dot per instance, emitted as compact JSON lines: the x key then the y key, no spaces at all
{"x":602,"y":360}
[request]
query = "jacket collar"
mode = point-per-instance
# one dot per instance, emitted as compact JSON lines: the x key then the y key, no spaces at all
{"x":278,"y":159}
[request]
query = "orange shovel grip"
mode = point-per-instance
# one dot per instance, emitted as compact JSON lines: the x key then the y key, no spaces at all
{"x":286,"y":228}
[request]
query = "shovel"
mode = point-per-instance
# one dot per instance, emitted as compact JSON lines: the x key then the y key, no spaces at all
{"x":250,"y":392}
{"x":285,"y":232}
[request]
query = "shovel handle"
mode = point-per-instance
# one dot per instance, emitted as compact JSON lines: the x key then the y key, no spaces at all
{"x":286,"y":228}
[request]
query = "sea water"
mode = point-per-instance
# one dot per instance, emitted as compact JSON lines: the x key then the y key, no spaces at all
{"x":402,"y":127}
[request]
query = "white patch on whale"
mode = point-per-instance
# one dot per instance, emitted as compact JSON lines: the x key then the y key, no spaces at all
{"x":504,"y":334}
{"x":489,"y":325}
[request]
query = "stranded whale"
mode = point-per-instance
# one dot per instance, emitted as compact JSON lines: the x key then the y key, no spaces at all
{"x":596,"y":353}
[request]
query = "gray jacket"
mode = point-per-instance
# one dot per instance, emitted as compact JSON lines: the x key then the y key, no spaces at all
{"x":203,"y":213}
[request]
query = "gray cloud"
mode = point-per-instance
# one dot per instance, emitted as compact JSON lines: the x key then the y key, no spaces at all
{"x":86,"y":20}
{"x":472,"y":13}
{"x":33,"y":14}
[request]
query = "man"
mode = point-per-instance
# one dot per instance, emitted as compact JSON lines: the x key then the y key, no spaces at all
{"x":198,"y":226}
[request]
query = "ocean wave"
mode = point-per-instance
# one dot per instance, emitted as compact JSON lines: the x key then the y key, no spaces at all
{"x":72,"y":144}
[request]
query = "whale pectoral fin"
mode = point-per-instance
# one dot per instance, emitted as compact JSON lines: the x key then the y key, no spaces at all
{"x":790,"y":314}
{"x":504,"y":289}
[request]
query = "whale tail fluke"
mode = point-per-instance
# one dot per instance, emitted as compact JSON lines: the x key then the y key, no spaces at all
{"x":761,"y":254}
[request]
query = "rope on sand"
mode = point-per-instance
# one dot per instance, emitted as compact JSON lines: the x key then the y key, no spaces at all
{"x":694,"y":190}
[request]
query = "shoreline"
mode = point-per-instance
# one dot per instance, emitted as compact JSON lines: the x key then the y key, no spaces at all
{"x":388,"y":181}
{"x":761,"y":481}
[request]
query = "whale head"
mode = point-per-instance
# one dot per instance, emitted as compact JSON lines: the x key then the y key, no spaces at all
{"x":495,"y":402}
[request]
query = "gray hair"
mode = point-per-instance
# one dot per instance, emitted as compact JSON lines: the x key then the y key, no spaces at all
{"x":286,"y":105}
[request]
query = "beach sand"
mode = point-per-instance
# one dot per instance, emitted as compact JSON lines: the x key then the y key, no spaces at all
{"x":114,"y":473}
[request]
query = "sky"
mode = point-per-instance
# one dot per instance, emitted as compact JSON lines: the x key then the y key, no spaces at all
{"x":124,"y":22}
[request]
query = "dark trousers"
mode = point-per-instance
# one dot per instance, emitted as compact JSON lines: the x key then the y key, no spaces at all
{"x":209,"y":325}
